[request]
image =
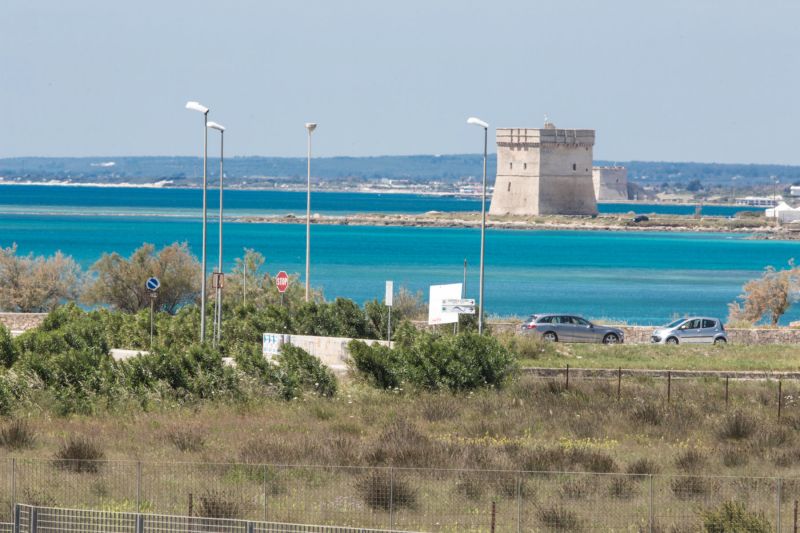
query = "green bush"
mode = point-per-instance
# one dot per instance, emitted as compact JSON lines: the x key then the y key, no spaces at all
{"x":8,"y":353}
{"x":432,"y":361}
{"x":733,"y":517}
{"x":300,"y":370}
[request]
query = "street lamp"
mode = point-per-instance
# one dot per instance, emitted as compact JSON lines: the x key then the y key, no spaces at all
{"x":478,"y":122}
{"x":195,"y":106}
{"x":310,"y":127}
{"x":218,"y":310}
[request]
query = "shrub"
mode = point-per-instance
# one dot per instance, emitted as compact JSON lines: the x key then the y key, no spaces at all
{"x":382,"y":491}
{"x":621,"y":487}
{"x":187,"y":440}
{"x":690,"y":460}
{"x":218,"y":504}
{"x":735,"y":456}
{"x":17,"y":435}
{"x":79,"y":454}
{"x":559,"y":518}
{"x":575,"y":489}
{"x":433,"y":361}
{"x":737,"y":426}
{"x":35,"y":284}
{"x":734,"y":516}
{"x":688,"y":487}
{"x":648,"y":413}
{"x":595,"y":461}
{"x":7,"y":352}
{"x":299,"y":369}
{"x":643,"y":467}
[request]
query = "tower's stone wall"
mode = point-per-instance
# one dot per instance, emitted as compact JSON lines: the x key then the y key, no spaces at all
{"x":610,"y":183}
{"x":544,"y":171}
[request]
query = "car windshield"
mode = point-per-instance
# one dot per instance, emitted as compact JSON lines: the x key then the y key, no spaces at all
{"x":675,"y":324}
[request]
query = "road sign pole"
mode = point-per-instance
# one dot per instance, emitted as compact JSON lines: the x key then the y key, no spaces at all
{"x":152,"y":306}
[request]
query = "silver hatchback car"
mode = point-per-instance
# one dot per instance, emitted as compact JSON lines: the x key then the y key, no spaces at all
{"x":696,"y":329}
{"x":571,"y":328}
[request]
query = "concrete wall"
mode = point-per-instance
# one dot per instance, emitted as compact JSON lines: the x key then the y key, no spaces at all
{"x":19,"y":322}
{"x":544,"y":171}
{"x":610,"y":183}
{"x":332,"y":351}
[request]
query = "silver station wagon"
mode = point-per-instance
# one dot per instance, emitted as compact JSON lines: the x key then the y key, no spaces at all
{"x":692,"y":330}
{"x":570,"y":328}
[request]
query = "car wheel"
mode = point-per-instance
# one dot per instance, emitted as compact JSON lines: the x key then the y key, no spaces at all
{"x":720,"y":340}
{"x":550,"y":337}
{"x":672,"y":340}
{"x":610,"y":338}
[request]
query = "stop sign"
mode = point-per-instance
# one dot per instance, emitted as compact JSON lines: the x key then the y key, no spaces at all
{"x":282,"y":281}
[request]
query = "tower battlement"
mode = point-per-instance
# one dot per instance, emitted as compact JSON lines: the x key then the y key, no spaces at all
{"x":544,"y":171}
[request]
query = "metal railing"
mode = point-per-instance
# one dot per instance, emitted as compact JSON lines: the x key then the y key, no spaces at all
{"x":397,"y":499}
{"x":30,"y":519}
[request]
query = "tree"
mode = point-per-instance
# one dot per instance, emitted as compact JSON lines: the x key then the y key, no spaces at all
{"x":771,"y":295}
{"x":119,"y":282}
{"x":36,"y":284}
{"x":694,"y":186}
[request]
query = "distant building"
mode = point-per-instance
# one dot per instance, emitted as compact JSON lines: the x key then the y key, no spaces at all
{"x":610,"y":183}
{"x":759,"y":201}
{"x":545,"y":171}
{"x":794,"y":190}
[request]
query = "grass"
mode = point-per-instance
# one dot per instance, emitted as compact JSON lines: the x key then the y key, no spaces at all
{"x":773,"y":357}
{"x":530,"y":425}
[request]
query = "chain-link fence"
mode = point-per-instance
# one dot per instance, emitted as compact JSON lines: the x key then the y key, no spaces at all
{"x":404,"y":499}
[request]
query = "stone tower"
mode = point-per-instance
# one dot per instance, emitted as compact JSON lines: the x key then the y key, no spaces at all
{"x":545,"y":171}
{"x":610,"y":183}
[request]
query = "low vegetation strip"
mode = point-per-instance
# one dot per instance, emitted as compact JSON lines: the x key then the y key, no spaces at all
{"x":608,"y":373}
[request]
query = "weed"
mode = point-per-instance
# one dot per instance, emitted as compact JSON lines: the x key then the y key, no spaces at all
{"x":737,"y":426}
{"x":621,"y":487}
{"x":187,"y":440}
{"x":690,"y":460}
{"x":575,"y":489}
{"x":382,"y":491}
{"x":734,"y":516}
{"x":17,"y":434}
{"x":648,"y":413}
{"x":218,"y":504}
{"x":643,"y":466}
{"x":559,"y":518}
{"x":79,"y":454}
{"x":734,"y":456}
{"x":689,"y":487}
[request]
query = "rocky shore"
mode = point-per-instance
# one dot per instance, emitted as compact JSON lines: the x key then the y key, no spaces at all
{"x":755,"y":227}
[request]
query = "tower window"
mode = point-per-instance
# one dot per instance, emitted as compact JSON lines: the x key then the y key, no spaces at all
{"x":511,"y":165}
{"x":574,"y":166}
{"x":509,"y":186}
{"x":524,"y":166}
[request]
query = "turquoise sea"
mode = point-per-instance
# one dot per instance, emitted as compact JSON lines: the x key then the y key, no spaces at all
{"x":639,"y":277}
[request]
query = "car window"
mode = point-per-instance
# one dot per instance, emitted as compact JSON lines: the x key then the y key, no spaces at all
{"x":580,"y":321}
{"x":674,"y":324}
{"x":546,"y":320}
{"x":562,"y":320}
{"x":709,"y":323}
{"x":695,"y":324}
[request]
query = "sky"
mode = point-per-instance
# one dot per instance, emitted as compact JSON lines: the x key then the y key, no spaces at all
{"x":678,"y":80}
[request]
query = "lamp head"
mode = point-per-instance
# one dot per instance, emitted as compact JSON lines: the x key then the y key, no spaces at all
{"x":214,"y":125}
{"x":311,"y":126}
{"x":196,"y":106}
{"x":477,"y":122}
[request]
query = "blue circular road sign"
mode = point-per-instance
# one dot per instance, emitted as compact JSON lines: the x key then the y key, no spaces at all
{"x":152,"y":284}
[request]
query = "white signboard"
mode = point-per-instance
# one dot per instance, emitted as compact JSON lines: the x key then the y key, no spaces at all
{"x":462,"y":306}
{"x":389,"y":292}
{"x":272,"y":343}
{"x":438,"y":294}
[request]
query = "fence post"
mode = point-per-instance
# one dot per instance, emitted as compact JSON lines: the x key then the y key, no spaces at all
{"x":794,"y":522}
{"x":13,"y":483}
{"x":139,"y":523}
{"x":391,"y":498}
{"x":650,"y":506}
{"x":34,"y":519}
{"x":138,"y":486}
{"x":265,"y":493}
{"x":519,"y":505}
{"x":250,"y":527}
{"x":778,"y":498}
{"x":669,"y":387}
{"x":619,"y":383}
{"x":727,"y":378}
{"x":17,"y":512}
{"x":567,"y":385}
{"x":780,"y":398}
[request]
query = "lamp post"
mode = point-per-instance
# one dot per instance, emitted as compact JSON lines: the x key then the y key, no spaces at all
{"x":195,"y":106}
{"x":218,"y":308}
{"x":478,"y":122}
{"x":310,"y":127}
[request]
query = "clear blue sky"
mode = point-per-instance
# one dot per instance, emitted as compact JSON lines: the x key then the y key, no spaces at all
{"x":678,"y":80}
